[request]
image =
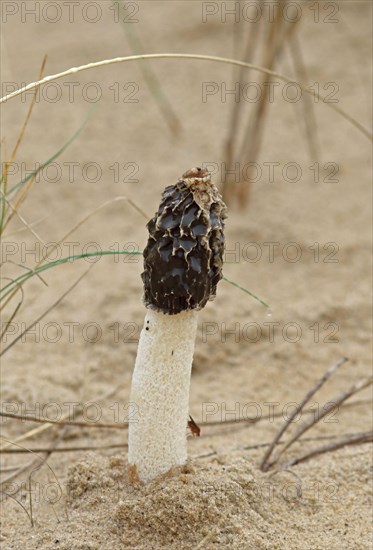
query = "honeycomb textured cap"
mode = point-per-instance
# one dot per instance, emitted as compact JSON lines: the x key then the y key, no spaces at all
{"x":183,"y":258}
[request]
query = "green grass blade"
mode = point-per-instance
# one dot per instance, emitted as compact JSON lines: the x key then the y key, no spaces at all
{"x":246,"y":291}
{"x":53,"y":157}
{"x":8,"y":288}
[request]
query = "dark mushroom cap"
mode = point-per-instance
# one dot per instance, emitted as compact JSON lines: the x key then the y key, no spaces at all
{"x":183,"y":258}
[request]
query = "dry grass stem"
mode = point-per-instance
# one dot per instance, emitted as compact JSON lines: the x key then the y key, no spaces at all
{"x":264,"y":464}
{"x":355,"y":439}
{"x":48,"y":310}
{"x":48,"y":424}
{"x":326,"y":409}
{"x":33,"y":101}
{"x":213,"y":58}
{"x":307,"y":105}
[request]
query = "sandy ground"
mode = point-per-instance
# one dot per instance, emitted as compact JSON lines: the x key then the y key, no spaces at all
{"x":84,"y":350}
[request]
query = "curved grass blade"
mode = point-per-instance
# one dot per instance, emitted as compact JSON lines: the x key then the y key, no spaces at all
{"x":74,"y":70}
{"x":7,"y":289}
{"x":246,"y":291}
{"x":53,"y":157}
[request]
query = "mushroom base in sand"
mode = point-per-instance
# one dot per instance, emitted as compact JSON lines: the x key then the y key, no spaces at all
{"x":160,"y":393}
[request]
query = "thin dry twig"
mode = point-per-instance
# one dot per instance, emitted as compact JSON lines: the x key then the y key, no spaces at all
{"x":264,"y":464}
{"x":10,"y":468}
{"x":355,"y":439}
{"x":124,"y":425}
{"x":43,"y":420}
{"x":19,"y":503}
{"x":18,"y":286}
{"x":15,"y":311}
{"x":22,"y":219}
{"x":125,"y":446}
{"x":81,"y":222}
{"x":326,"y":409}
{"x":38,"y":462}
{"x":48,"y":424}
{"x":25,"y":467}
{"x":92,"y":213}
{"x":67,"y":449}
{"x":19,"y":469}
{"x":20,"y":199}
{"x":48,"y":453}
{"x":22,"y":229}
{"x":269,"y":443}
{"x":48,"y":310}
{"x":49,"y":450}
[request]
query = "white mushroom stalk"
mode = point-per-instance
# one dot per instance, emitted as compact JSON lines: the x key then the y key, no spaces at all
{"x":182,"y":266}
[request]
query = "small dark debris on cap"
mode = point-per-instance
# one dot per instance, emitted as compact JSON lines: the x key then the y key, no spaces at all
{"x":183,"y":258}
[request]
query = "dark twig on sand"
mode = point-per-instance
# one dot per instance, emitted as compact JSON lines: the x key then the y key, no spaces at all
{"x":356,"y":439}
{"x":326,"y":409}
{"x":264,"y":466}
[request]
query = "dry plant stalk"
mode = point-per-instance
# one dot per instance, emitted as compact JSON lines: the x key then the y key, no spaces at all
{"x":277,"y":34}
{"x":355,"y":439}
{"x":214,"y":58}
{"x":326,"y":409}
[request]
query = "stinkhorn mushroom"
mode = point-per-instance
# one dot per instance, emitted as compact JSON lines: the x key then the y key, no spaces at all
{"x":182,"y":265}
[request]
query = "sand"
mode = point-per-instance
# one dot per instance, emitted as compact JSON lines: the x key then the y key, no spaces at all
{"x":84,"y":350}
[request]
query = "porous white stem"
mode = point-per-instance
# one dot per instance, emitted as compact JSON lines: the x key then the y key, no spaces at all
{"x":160,"y":393}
